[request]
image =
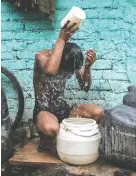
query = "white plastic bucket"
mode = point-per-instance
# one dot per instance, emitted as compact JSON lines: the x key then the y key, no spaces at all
{"x":78,"y":141}
{"x":75,"y":15}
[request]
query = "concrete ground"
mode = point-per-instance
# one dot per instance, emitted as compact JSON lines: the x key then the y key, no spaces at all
{"x":28,"y":162}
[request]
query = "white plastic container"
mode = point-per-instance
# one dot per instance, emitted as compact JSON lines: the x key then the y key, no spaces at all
{"x":75,"y":15}
{"x":78,"y":141}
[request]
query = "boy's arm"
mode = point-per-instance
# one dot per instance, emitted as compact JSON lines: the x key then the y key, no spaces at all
{"x":84,"y":78}
{"x":84,"y":74}
{"x":50,"y":64}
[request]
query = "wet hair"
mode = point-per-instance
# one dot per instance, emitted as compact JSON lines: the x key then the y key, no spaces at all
{"x":72,"y":57}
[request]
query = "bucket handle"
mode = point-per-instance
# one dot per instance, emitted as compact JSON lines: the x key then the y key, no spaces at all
{"x":67,"y":129}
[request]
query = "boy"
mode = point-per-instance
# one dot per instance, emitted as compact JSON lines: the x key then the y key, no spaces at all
{"x":52,"y":69}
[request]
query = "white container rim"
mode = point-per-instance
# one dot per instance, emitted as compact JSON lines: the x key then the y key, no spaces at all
{"x":79,"y":122}
{"x":80,"y":126}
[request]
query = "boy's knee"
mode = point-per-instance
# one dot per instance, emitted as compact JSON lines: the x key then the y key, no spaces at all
{"x":51,"y":129}
{"x":46,"y":126}
{"x":99,"y":113}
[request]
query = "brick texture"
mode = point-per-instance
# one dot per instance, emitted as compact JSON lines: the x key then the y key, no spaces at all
{"x":110,"y":28}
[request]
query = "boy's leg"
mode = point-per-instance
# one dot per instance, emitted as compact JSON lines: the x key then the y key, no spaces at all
{"x":48,"y":127}
{"x":88,"y":111}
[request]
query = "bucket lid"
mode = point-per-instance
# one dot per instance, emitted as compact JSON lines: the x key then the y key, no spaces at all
{"x":80,"y":126}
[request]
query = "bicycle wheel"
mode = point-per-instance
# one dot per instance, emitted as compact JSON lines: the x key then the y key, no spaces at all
{"x":17,"y":86}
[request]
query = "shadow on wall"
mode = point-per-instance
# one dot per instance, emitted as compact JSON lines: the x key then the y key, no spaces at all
{"x":131,"y":68}
{"x":47,"y":7}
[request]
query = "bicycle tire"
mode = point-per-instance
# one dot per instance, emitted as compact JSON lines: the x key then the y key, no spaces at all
{"x":17,"y":86}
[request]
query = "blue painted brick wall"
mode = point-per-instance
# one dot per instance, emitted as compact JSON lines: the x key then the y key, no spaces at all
{"x":110,"y":28}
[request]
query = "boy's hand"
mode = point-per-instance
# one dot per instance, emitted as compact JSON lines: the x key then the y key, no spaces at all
{"x":90,"y":58}
{"x":67,"y":31}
